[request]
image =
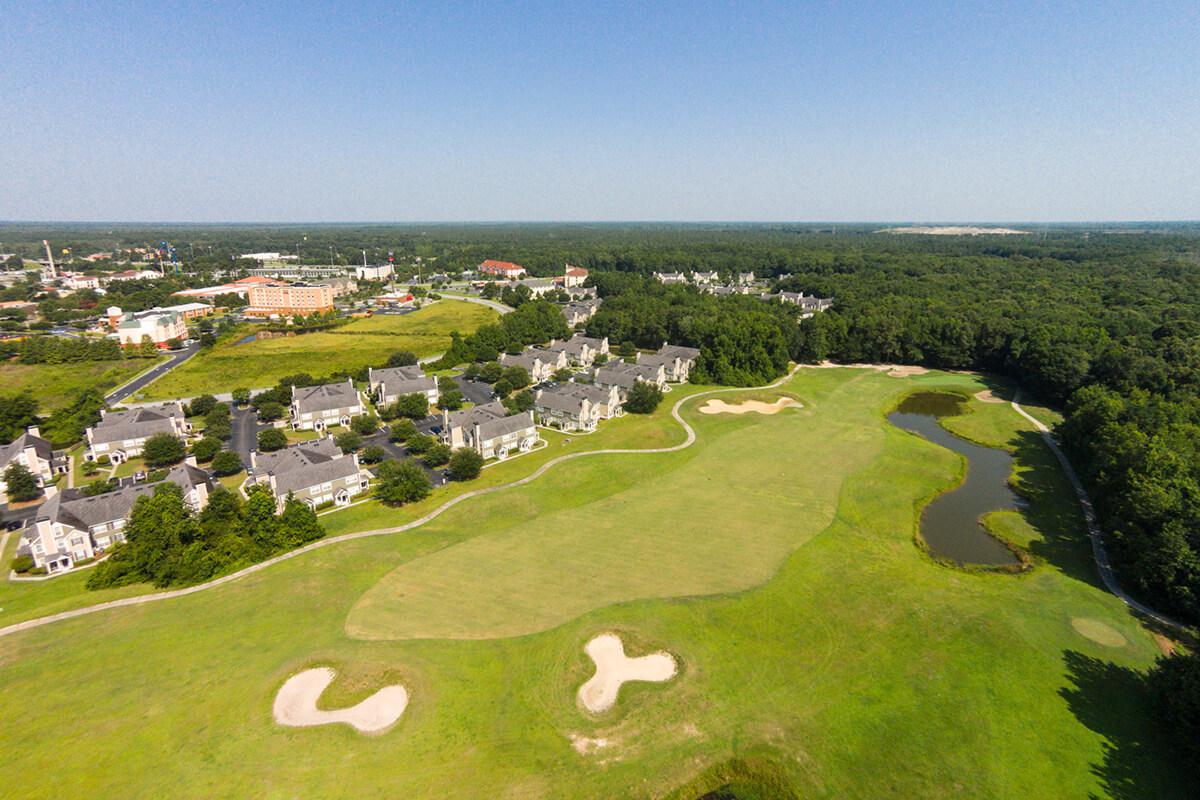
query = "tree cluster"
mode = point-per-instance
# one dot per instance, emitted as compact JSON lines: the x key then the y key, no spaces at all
{"x":167,"y":544}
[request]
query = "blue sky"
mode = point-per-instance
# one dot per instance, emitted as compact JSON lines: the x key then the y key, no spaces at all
{"x":599,"y":111}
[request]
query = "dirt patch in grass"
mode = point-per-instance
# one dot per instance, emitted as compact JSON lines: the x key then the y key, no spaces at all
{"x":986,"y":396}
{"x":1098,"y":632}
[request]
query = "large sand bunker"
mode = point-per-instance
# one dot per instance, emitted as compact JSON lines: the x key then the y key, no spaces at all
{"x":715,"y":406}
{"x":614,"y":668}
{"x":296,"y":704}
{"x":893,"y":370}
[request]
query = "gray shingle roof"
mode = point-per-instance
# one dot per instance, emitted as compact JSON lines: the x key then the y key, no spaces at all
{"x":403,"y":380}
{"x":674,"y":350}
{"x":559,"y":401}
{"x":306,"y":464}
{"x":505,"y":425}
{"x":326,"y":397}
{"x":40,"y":446}
{"x":138,"y":423}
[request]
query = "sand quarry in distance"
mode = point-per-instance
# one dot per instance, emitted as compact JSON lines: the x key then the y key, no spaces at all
{"x":613,"y":668}
{"x":715,"y":406}
{"x":296,"y":704}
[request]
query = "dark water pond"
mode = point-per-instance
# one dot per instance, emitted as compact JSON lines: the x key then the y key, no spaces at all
{"x":246,"y":339}
{"x":950,"y":523}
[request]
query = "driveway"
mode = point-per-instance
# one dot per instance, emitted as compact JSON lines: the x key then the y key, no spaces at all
{"x":140,"y":383}
{"x":476,"y":392}
{"x":245,"y":432}
{"x":399,"y":452}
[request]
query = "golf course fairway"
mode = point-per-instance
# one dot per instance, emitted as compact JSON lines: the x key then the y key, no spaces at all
{"x":820,"y":650}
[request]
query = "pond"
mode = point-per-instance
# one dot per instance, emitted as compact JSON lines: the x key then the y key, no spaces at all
{"x":246,"y":339}
{"x":950,"y":523}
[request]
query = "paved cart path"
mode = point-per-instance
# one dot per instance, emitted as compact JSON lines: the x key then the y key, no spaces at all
{"x":1103,"y":565}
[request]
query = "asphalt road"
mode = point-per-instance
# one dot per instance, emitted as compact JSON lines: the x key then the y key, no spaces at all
{"x":245,"y":432}
{"x":476,"y":392}
{"x":136,"y":386}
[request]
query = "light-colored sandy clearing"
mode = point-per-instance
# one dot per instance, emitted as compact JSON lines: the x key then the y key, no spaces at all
{"x":715,"y":406}
{"x":954,"y":230}
{"x":893,"y":370}
{"x":1098,"y":632}
{"x":614,"y":668}
{"x":296,"y":704}
{"x":986,"y":396}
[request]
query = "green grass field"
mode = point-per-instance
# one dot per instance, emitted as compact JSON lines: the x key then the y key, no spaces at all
{"x":361,"y":343}
{"x":54,"y":385}
{"x":820,"y":649}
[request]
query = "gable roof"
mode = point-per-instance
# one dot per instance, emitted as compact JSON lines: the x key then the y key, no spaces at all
{"x":492,"y":418}
{"x":403,"y":380}
{"x":678,"y":351}
{"x":325,"y":397}
{"x":42,"y":447}
{"x":138,"y":423}
{"x":303,"y":465}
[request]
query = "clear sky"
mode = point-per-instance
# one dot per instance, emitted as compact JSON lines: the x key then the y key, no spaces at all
{"x":292,"y":111}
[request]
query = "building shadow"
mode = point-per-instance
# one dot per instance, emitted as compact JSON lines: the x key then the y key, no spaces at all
{"x":1115,"y":702}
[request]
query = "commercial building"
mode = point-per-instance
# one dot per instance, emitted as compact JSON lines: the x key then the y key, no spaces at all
{"x":160,"y":325}
{"x":289,"y":300}
{"x":501,"y":269}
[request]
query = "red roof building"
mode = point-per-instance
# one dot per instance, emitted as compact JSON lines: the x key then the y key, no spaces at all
{"x":503,"y":269}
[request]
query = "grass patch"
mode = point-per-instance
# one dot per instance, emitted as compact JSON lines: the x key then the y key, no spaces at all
{"x":363,"y":342}
{"x":55,"y":385}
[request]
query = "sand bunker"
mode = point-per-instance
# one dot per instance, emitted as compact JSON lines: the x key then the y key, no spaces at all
{"x":296,"y":704}
{"x":986,"y":396}
{"x":614,"y":668}
{"x":746,"y":406}
{"x":1098,"y":632}
{"x":893,"y":370}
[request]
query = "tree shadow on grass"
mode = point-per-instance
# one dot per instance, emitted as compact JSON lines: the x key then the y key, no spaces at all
{"x":1116,"y":702}
{"x":1053,"y":510}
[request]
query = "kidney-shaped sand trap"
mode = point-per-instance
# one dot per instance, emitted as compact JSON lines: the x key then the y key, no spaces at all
{"x":614,"y":668}
{"x":296,"y":704}
{"x":715,"y":406}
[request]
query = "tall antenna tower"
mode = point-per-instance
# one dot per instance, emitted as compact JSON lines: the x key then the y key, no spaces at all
{"x":50,"y":258}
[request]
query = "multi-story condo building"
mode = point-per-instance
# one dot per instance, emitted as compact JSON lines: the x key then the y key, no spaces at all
{"x":490,"y":430}
{"x":315,"y":408}
{"x":391,"y":383}
{"x":313,"y":472}
{"x":120,"y":435}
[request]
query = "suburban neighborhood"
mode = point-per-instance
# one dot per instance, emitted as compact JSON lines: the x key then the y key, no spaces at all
{"x":573,"y":384}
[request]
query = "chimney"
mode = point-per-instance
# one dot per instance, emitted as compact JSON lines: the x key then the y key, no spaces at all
{"x":32,"y":430}
{"x":50,"y":490}
{"x":190,"y":460}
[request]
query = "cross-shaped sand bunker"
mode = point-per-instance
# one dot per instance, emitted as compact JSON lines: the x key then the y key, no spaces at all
{"x":715,"y":406}
{"x":296,"y":704}
{"x":614,"y":668}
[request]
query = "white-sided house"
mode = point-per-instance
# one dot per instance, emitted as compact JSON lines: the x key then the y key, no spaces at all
{"x":624,"y":376}
{"x":669,"y":278}
{"x":580,"y":312}
{"x":705,"y":277}
{"x":580,"y":350}
{"x":70,"y":527}
{"x":313,"y":472}
{"x":605,"y":399}
{"x":540,"y":364}
{"x":35,"y":454}
{"x":490,"y":430}
{"x":315,"y":408}
{"x":121,"y":435}
{"x":564,"y":410}
{"x":677,"y":362}
{"x":391,"y":383}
